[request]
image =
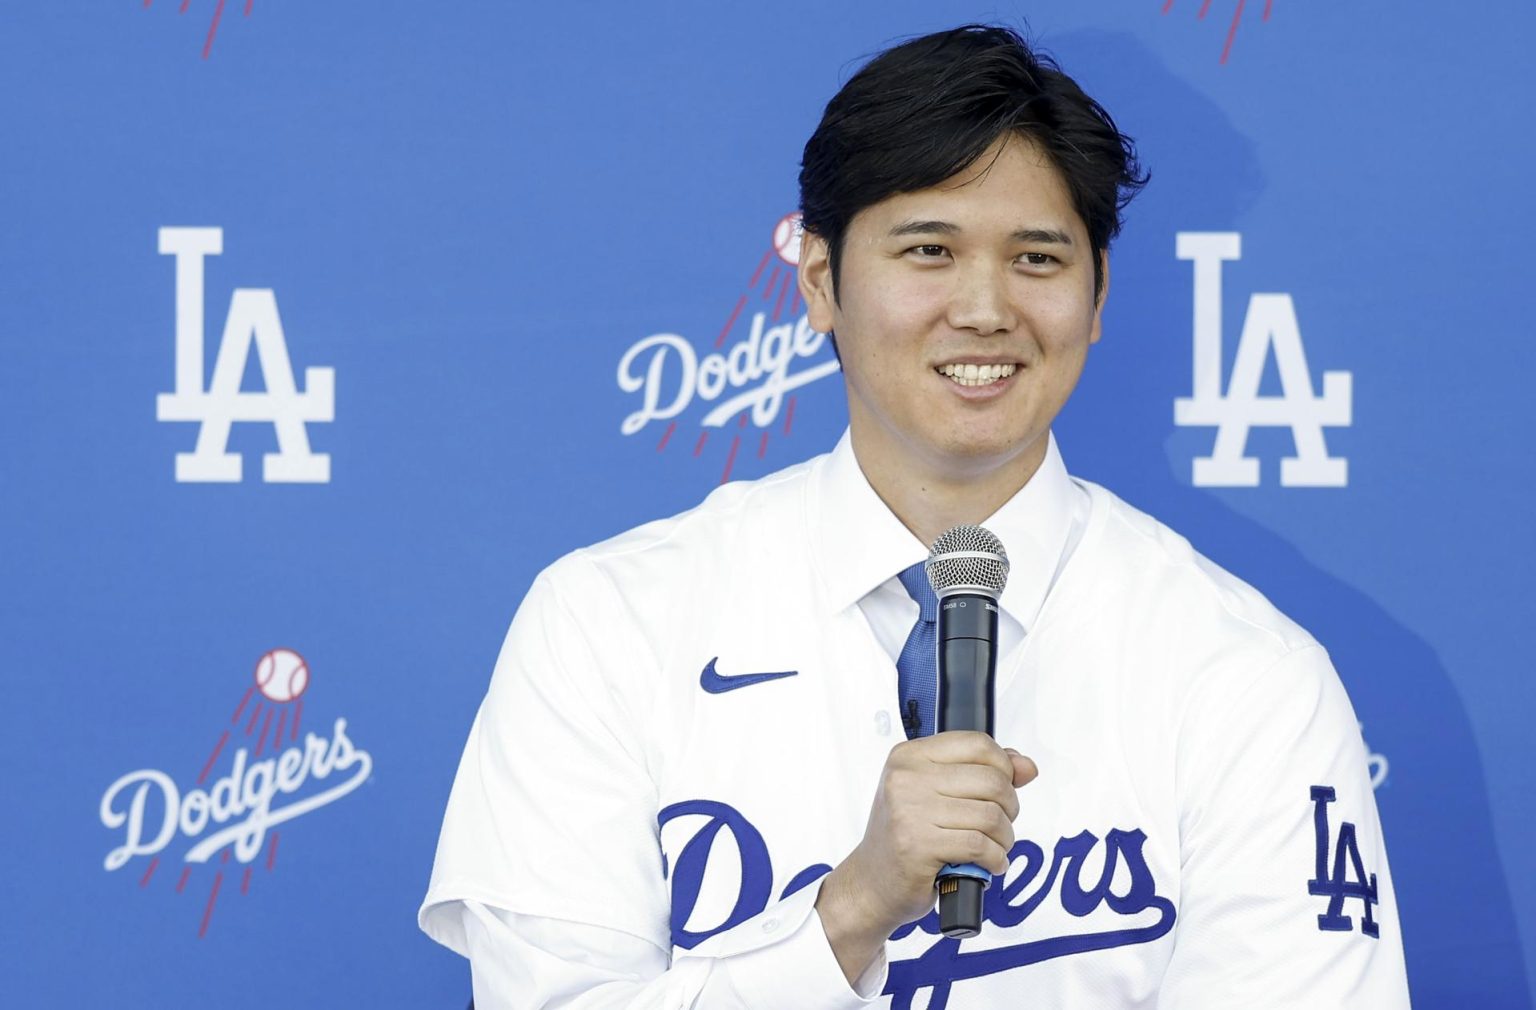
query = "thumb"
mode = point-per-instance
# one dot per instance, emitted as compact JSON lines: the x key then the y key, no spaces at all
{"x":1024,"y":769}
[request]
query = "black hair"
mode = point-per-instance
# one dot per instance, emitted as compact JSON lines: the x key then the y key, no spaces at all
{"x":926,"y":109}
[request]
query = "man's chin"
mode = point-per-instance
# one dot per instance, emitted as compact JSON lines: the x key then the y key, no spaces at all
{"x":981,"y":456}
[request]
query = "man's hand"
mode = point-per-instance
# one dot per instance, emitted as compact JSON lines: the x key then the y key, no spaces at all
{"x":948,"y":798}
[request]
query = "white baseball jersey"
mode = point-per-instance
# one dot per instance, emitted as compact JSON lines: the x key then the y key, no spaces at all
{"x":687,"y":723}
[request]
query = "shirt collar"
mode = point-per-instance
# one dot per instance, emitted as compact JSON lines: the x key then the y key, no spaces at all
{"x":861,"y":543}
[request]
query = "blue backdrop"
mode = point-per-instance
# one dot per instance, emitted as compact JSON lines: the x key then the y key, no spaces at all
{"x":455,"y":226}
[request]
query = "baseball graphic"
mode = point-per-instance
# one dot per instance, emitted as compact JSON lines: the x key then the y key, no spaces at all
{"x":786,"y":239}
{"x":282,"y":675}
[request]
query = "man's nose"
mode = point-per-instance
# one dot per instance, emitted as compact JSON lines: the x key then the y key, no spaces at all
{"x":980,"y":300}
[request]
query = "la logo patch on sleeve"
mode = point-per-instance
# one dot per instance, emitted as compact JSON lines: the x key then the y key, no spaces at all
{"x":1343,"y":877}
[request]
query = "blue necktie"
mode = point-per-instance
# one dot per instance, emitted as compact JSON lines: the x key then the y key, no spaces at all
{"x":917,"y":668}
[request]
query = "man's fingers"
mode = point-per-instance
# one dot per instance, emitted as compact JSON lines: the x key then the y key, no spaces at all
{"x":1024,"y":769}
{"x":962,"y":765}
{"x":962,"y":746}
{"x":979,"y":782}
{"x":975,"y":847}
{"x":977,"y":815}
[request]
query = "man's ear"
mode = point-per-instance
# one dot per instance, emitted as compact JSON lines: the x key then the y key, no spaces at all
{"x":815,"y":280}
{"x":1098,"y":307}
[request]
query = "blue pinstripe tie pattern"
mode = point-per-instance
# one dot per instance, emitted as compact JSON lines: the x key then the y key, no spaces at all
{"x":917,"y":668}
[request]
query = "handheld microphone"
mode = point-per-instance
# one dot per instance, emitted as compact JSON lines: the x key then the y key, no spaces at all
{"x":967,"y":568}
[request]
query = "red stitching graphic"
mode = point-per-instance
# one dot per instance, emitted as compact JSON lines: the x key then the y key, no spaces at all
{"x":1237,"y":19}
{"x":778,"y":290}
{"x":213,"y":25}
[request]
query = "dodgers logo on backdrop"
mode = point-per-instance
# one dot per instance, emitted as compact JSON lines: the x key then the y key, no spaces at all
{"x":764,"y":352}
{"x":1270,"y":326}
{"x":227,"y":819}
{"x":252,"y":320}
{"x":1376,"y":764}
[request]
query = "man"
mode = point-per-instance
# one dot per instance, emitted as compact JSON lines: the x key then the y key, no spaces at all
{"x":684,"y":788}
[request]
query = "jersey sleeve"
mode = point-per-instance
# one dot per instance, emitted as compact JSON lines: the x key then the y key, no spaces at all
{"x":552,"y":811}
{"x":549,"y":872}
{"x":521,"y":961}
{"x":1285,"y":895}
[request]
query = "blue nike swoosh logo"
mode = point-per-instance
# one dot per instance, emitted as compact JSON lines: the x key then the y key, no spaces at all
{"x":716,"y":683}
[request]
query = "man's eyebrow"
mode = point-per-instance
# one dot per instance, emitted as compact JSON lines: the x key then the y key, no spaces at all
{"x":1048,"y":235}
{"x":925,"y":228}
{"x":1052,"y":236}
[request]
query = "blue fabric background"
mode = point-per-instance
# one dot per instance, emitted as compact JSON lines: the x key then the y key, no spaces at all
{"x":470,"y":211}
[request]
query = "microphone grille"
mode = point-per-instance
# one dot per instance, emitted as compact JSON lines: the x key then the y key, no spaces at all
{"x":969,"y":556}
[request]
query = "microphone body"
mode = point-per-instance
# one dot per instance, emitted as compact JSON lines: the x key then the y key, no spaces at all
{"x":967,"y":569}
{"x":967,"y":643}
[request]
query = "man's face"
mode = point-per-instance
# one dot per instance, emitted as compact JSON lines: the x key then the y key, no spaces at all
{"x":963,"y":315}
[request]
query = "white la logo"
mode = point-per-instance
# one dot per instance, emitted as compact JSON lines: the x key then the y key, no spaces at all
{"x":1271,"y":322}
{"x":252,"y":317}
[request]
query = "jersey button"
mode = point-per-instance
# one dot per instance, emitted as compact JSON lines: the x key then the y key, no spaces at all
{"x":769,"y":925}
{"x":883,"y":723}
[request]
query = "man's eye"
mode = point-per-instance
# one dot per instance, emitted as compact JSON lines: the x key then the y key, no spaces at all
{"x":1038,"y":259}
{"x":929,"y":251}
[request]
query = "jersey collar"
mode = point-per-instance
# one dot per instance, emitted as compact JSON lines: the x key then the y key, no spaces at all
{"x":861,"y":544}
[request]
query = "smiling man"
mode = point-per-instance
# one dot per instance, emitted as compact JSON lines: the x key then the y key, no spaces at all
{"x":963,"y":313}
{"x":687,"y":785}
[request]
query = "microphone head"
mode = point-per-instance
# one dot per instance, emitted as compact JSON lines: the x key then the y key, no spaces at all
{"x":967,"y":559}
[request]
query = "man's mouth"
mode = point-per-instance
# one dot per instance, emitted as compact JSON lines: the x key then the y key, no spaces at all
{"x":976,"y":375}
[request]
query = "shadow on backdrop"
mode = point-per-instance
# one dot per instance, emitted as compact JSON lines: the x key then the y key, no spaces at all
{"x":1459,"y":930}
